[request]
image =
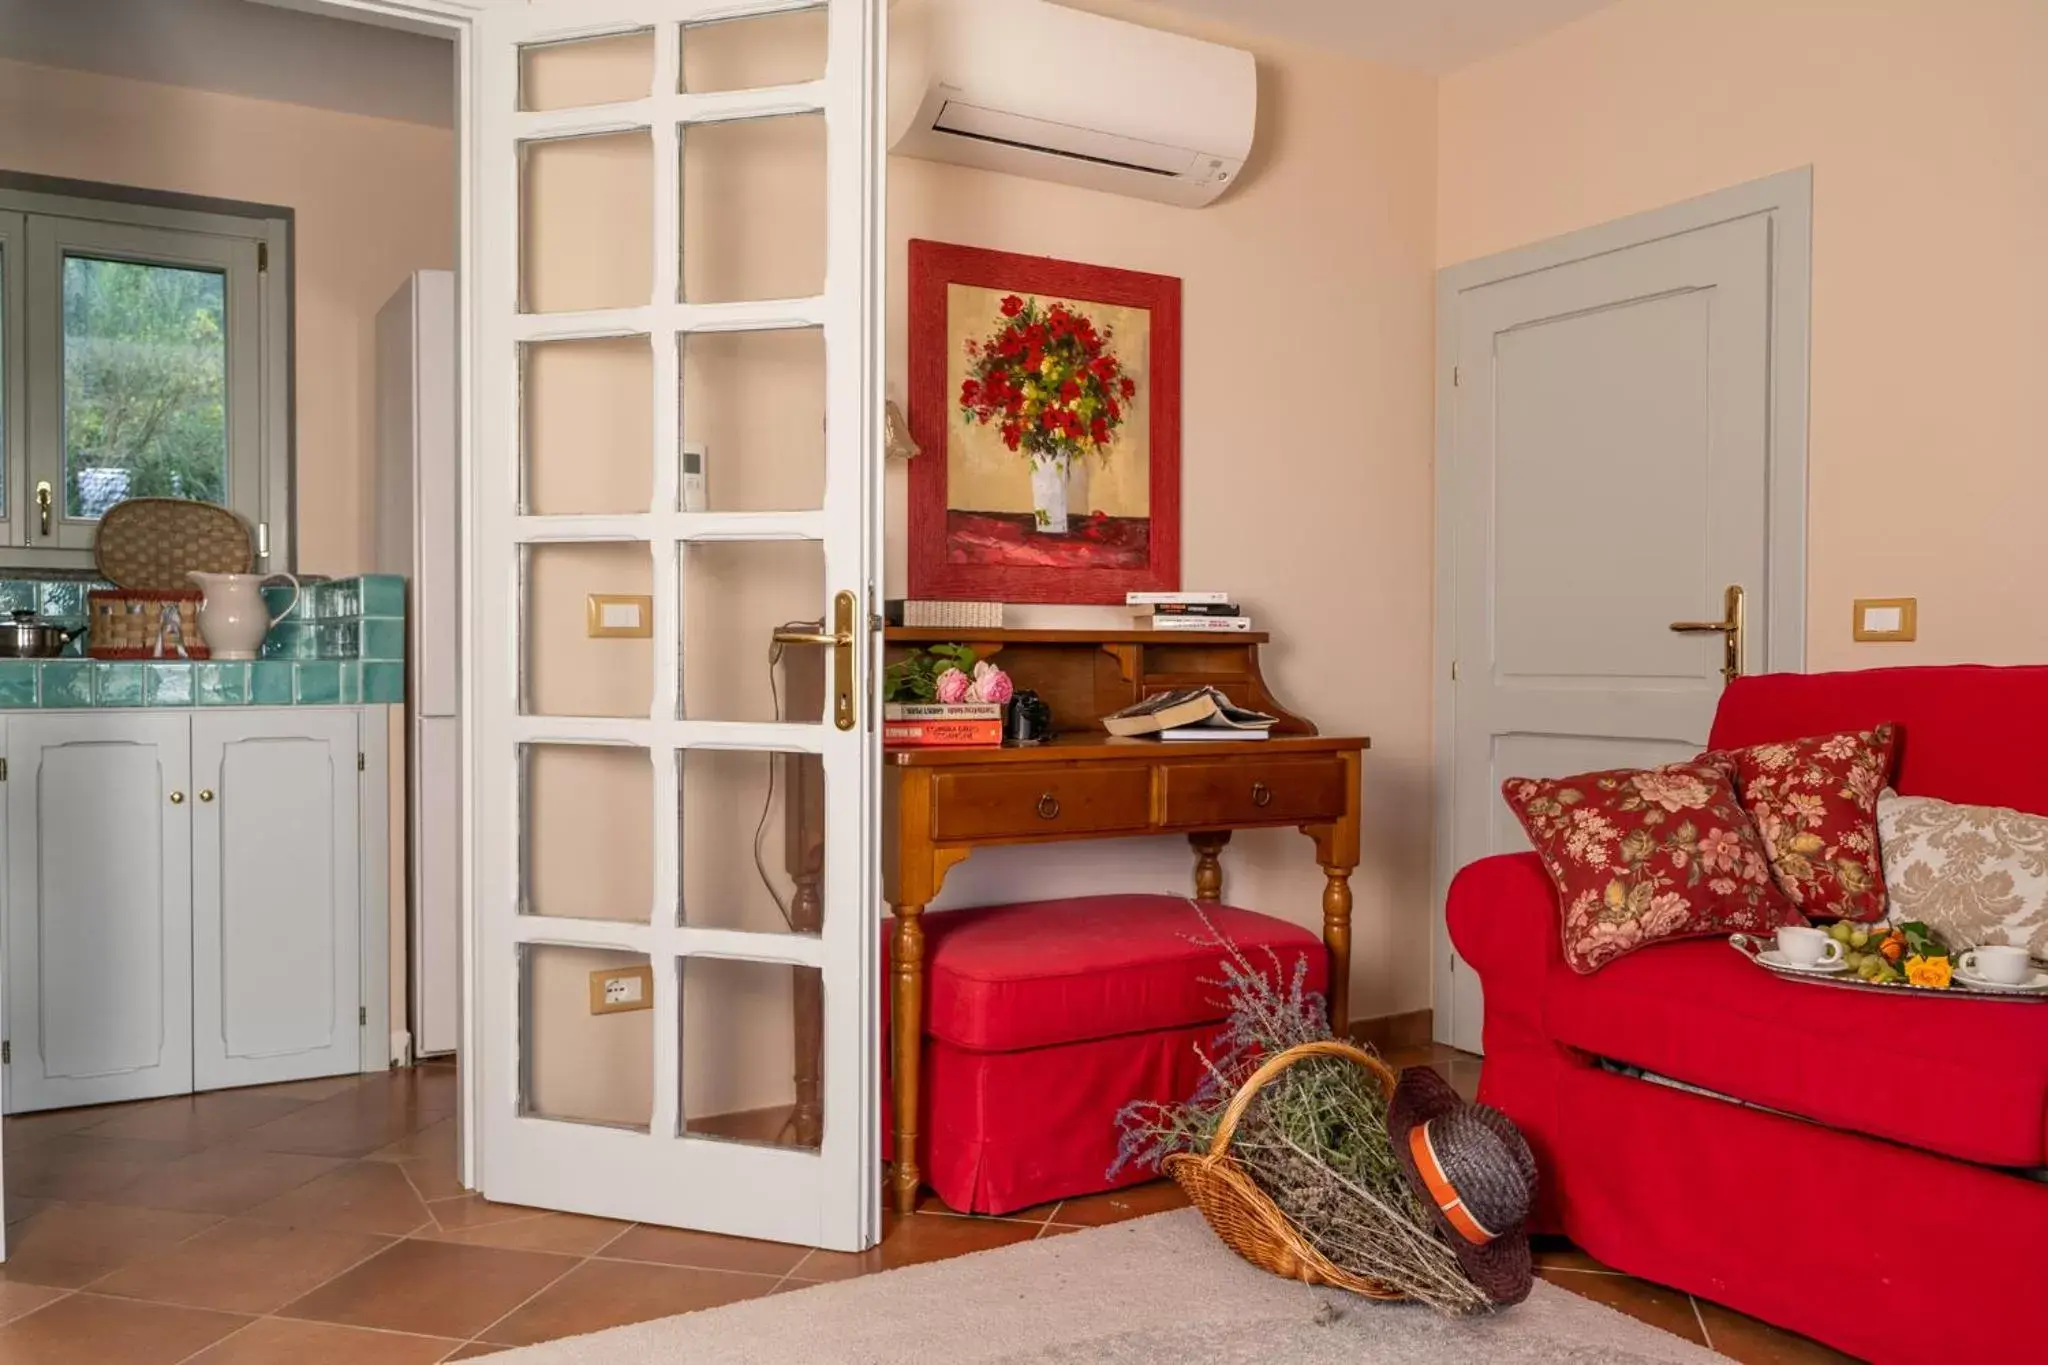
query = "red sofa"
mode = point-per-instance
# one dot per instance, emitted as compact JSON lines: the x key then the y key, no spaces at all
{"x":1914,"y":1233}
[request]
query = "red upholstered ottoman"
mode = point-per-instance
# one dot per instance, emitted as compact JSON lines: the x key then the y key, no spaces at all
{"x":1045,"y":1018}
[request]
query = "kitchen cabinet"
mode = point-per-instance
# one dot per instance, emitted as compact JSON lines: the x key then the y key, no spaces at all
{"x":191,"y":900}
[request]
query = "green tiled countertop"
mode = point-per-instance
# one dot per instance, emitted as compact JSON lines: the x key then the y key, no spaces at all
{"x":344,"y":645}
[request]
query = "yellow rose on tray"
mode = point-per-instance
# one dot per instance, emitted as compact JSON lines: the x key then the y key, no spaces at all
{"x":1931,"y":972}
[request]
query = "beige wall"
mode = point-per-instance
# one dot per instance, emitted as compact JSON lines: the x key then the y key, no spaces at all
{"x":1924,"y":126}
{"x":1306,"y":422}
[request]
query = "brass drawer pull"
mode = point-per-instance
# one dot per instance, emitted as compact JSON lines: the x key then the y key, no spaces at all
{"x":1048,"y":807}
{"x":1262,"y":795}
{"x":177,"y":798}
{"x":206,"y":795}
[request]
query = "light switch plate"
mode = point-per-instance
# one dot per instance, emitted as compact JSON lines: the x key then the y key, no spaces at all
{"x":1886,"y":619}
{"x":619,"y":617}
{"x":620,"y":990}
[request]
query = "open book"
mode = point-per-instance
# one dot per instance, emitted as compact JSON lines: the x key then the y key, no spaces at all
{"x":1202,"y":712}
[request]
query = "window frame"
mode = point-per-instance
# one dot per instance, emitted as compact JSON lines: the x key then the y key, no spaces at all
{"x":40,"y":222}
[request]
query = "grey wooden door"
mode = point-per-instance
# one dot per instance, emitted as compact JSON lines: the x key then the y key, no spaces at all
{"x":1615,"y":465}
{"x":277,"y":909}
{"x":99,"y":909}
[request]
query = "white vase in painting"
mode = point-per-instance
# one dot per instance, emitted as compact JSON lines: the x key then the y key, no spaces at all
{"x":1059,"y":485}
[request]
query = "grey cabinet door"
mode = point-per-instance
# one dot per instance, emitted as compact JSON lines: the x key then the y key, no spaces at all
{"x":99,"y":922}
{"x":277,"y":916}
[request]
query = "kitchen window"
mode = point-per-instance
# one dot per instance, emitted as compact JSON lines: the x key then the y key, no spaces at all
{"x":144,"y":353}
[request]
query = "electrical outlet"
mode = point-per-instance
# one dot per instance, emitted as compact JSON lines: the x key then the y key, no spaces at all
{"x":619,"y":990}
{"x":615,"y":617}
{"x":1886,"y":619}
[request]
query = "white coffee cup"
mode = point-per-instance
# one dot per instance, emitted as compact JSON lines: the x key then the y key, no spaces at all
{"x":1803,"y":947}
{"x":2000,"y":963}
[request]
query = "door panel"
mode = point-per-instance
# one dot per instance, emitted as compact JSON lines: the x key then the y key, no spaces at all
{"x":1612,"y":472}
{"x":676,"y":975}
{"x":100,"y":909}
{"x":277,"y":909}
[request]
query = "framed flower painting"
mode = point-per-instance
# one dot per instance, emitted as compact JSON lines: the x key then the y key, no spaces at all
{"x":1045,"y":396}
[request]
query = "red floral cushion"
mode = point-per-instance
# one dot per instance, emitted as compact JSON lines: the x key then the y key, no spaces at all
{"x":1814,"y":801}
{"x":1644,"y":855}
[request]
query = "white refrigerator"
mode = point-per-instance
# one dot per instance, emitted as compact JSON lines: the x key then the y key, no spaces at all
{"x":418,"y":535}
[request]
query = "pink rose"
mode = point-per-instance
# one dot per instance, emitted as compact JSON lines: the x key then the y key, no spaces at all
{"x":953,"y":686}
{"x":991,"y":684}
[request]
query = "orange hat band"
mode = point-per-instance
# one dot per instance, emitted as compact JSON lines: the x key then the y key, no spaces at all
{"x":1441,"y":1190}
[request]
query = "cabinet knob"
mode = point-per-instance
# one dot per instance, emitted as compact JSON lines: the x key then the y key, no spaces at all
{"x":177,"y":798}
{"x":1262,"y":795}
{"x":1048,"y":807}
{"x":206,"y":794}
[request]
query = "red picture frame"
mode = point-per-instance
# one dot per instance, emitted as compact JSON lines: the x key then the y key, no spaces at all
{"x":936,"y":571}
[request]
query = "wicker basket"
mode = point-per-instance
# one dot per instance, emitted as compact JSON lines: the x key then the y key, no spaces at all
{"x":122,"y":623}
{"x":1249,"y":1222}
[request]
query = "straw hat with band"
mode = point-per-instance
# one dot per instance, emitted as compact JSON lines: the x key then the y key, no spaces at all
{"x":1473,"y":1173}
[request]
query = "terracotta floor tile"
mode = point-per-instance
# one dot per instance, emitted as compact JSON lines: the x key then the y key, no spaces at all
{"x":271,"y":1340}
{"x":20,"y":1206}
{"x":706,"y":1251}
{"x":81,"y":1168}
{"x":475,"y":1211}
{"x":1422,"y":1056}
{"x":69,"y":1245}
{"x":362,"y":1196}
{"x":222,"y":1180}
{"x":196,"y":1119}
{"x":1560,"y":1254}
{"x":433,"y":1289}
{"x":17,"y":1300}
{"x":914,"y":1241}
{"x":438,"y":1139}
{"x":352,"y":1124}
{"x":1752,"y":1342}
{"x":1096,"y":1210}
{"x":242,"y":1267}
{"x":480,"y":1348}
{"x":309,"y":1092}
{"x":84,"y":1329}
{"x":25,"y":1129}
{"x":565,"y":1234}
{"x":1669,"y":1309}
{"x":601,"y":1294}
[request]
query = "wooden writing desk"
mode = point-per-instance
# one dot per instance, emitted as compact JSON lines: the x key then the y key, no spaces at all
{"x":939,"y":805}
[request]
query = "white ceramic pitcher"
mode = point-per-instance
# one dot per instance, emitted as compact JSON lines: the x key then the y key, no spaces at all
{"x":233,"y":619}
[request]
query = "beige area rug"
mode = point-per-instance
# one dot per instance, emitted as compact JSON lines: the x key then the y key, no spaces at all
{"x":1152,"y":1290}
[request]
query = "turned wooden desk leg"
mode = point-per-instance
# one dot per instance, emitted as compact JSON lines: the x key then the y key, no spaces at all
{"x":808,"y":1006}
{"x":1337,"y":937}
{"x":906,"y":1028}
{"x":1208,"y":869}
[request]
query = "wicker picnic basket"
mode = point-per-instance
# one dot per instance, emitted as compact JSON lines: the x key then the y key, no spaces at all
{"x":1249,"y":1222}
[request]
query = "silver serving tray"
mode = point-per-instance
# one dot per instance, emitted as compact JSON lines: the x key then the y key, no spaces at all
{"x":1849,"y":981}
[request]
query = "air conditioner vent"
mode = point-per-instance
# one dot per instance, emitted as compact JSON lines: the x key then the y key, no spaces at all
{"x":1061,"y":139}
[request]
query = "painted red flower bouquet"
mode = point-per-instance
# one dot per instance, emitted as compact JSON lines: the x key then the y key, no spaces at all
{"x":1051,"y":380}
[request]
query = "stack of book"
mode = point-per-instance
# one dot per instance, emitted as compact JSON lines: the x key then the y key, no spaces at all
{"x":1195,"y":713}
{"x":930,"y":725}
{"x":1191,"y":611}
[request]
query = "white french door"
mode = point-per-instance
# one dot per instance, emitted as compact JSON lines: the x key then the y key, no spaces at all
{"x":679,"y":224}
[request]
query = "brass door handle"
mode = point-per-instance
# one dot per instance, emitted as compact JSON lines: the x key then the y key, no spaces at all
{"x":1729,"y":627}
{"x":177,"y":798}
{"x":840,"y":642}
{"x":1262,"y":795}
{"x":206,"y":794}
{"x":43,"y":500}
{"x":1048,"y":807}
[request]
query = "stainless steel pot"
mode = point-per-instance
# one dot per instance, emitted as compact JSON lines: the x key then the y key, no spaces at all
{"x":25,"y":637}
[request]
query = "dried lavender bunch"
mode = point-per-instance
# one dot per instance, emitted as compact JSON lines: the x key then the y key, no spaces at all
{"x":1314,"y":1140}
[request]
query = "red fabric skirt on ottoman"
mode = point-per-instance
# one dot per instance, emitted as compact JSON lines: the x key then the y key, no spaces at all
{"x":1044,"y":1018}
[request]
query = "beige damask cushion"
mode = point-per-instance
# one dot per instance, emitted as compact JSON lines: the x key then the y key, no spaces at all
{"x":1973,"y":874}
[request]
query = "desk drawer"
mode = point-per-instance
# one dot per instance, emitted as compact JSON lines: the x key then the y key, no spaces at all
{"x":1216,"y":795}
{"x":1000,"y":805}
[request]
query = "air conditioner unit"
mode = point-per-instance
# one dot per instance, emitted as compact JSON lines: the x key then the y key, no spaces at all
{"x":1037,"y":89}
